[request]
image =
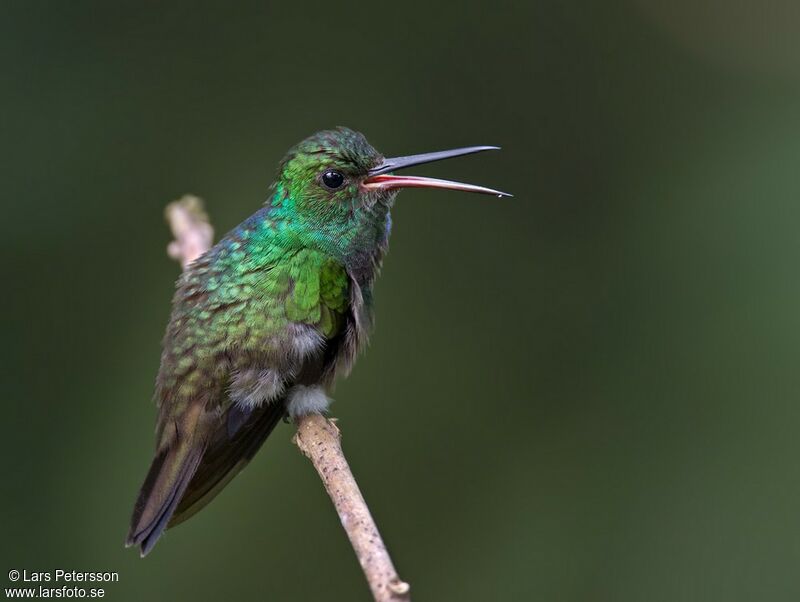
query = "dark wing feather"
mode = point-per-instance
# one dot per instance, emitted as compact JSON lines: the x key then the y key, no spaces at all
{"x":234,"y":443}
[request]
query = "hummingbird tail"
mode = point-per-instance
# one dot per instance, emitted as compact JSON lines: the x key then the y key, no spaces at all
{"x":169,"y":475}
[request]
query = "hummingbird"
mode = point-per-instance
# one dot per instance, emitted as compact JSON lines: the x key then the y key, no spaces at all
{"x":265,"y":321}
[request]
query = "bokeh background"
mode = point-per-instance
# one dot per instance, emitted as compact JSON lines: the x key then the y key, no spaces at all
{"x":588,"y":392}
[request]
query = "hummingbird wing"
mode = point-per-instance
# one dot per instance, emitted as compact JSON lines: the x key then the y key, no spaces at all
{"x":226,"y":455}
{"x":201,"y":457}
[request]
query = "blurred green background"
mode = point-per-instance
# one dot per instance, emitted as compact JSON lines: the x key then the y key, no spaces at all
{"x":586,"y":392}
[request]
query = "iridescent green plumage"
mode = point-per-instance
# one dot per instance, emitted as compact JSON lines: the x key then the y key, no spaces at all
{"x":263,"y":322}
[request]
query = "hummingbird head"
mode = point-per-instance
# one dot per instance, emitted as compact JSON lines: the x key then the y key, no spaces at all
{"x":337,"y":188}
{"x":324,"y":172}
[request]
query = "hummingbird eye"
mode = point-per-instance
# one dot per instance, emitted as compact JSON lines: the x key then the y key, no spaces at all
{"x":332,"y":179}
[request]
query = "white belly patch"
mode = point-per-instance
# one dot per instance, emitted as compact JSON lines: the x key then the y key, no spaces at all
{"x":302,"y":400}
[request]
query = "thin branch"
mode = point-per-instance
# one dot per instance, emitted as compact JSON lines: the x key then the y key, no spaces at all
{"x":317,"y":437}
{"x":190,"y":227}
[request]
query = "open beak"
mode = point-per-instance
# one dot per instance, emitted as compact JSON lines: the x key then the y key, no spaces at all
{"x":379,"y":178}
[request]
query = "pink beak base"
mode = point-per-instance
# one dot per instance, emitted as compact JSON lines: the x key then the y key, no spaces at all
{"x":388,"y":182}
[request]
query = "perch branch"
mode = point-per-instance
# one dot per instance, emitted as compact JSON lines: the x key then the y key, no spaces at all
{"x":190,"y":227}
{"x":317,"y":437}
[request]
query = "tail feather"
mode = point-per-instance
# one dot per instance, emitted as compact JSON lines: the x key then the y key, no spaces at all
{"x":169,"y":475}
{"x":189,"y":472}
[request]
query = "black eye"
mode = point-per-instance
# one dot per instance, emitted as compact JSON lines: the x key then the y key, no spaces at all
{"x":332,"y":179}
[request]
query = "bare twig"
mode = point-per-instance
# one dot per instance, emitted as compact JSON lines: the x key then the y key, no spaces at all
{"x":190,"y":227}
{"x":317,"y":437}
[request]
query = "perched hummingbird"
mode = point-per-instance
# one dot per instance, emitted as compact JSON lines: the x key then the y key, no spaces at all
{"x":264,"y":322}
